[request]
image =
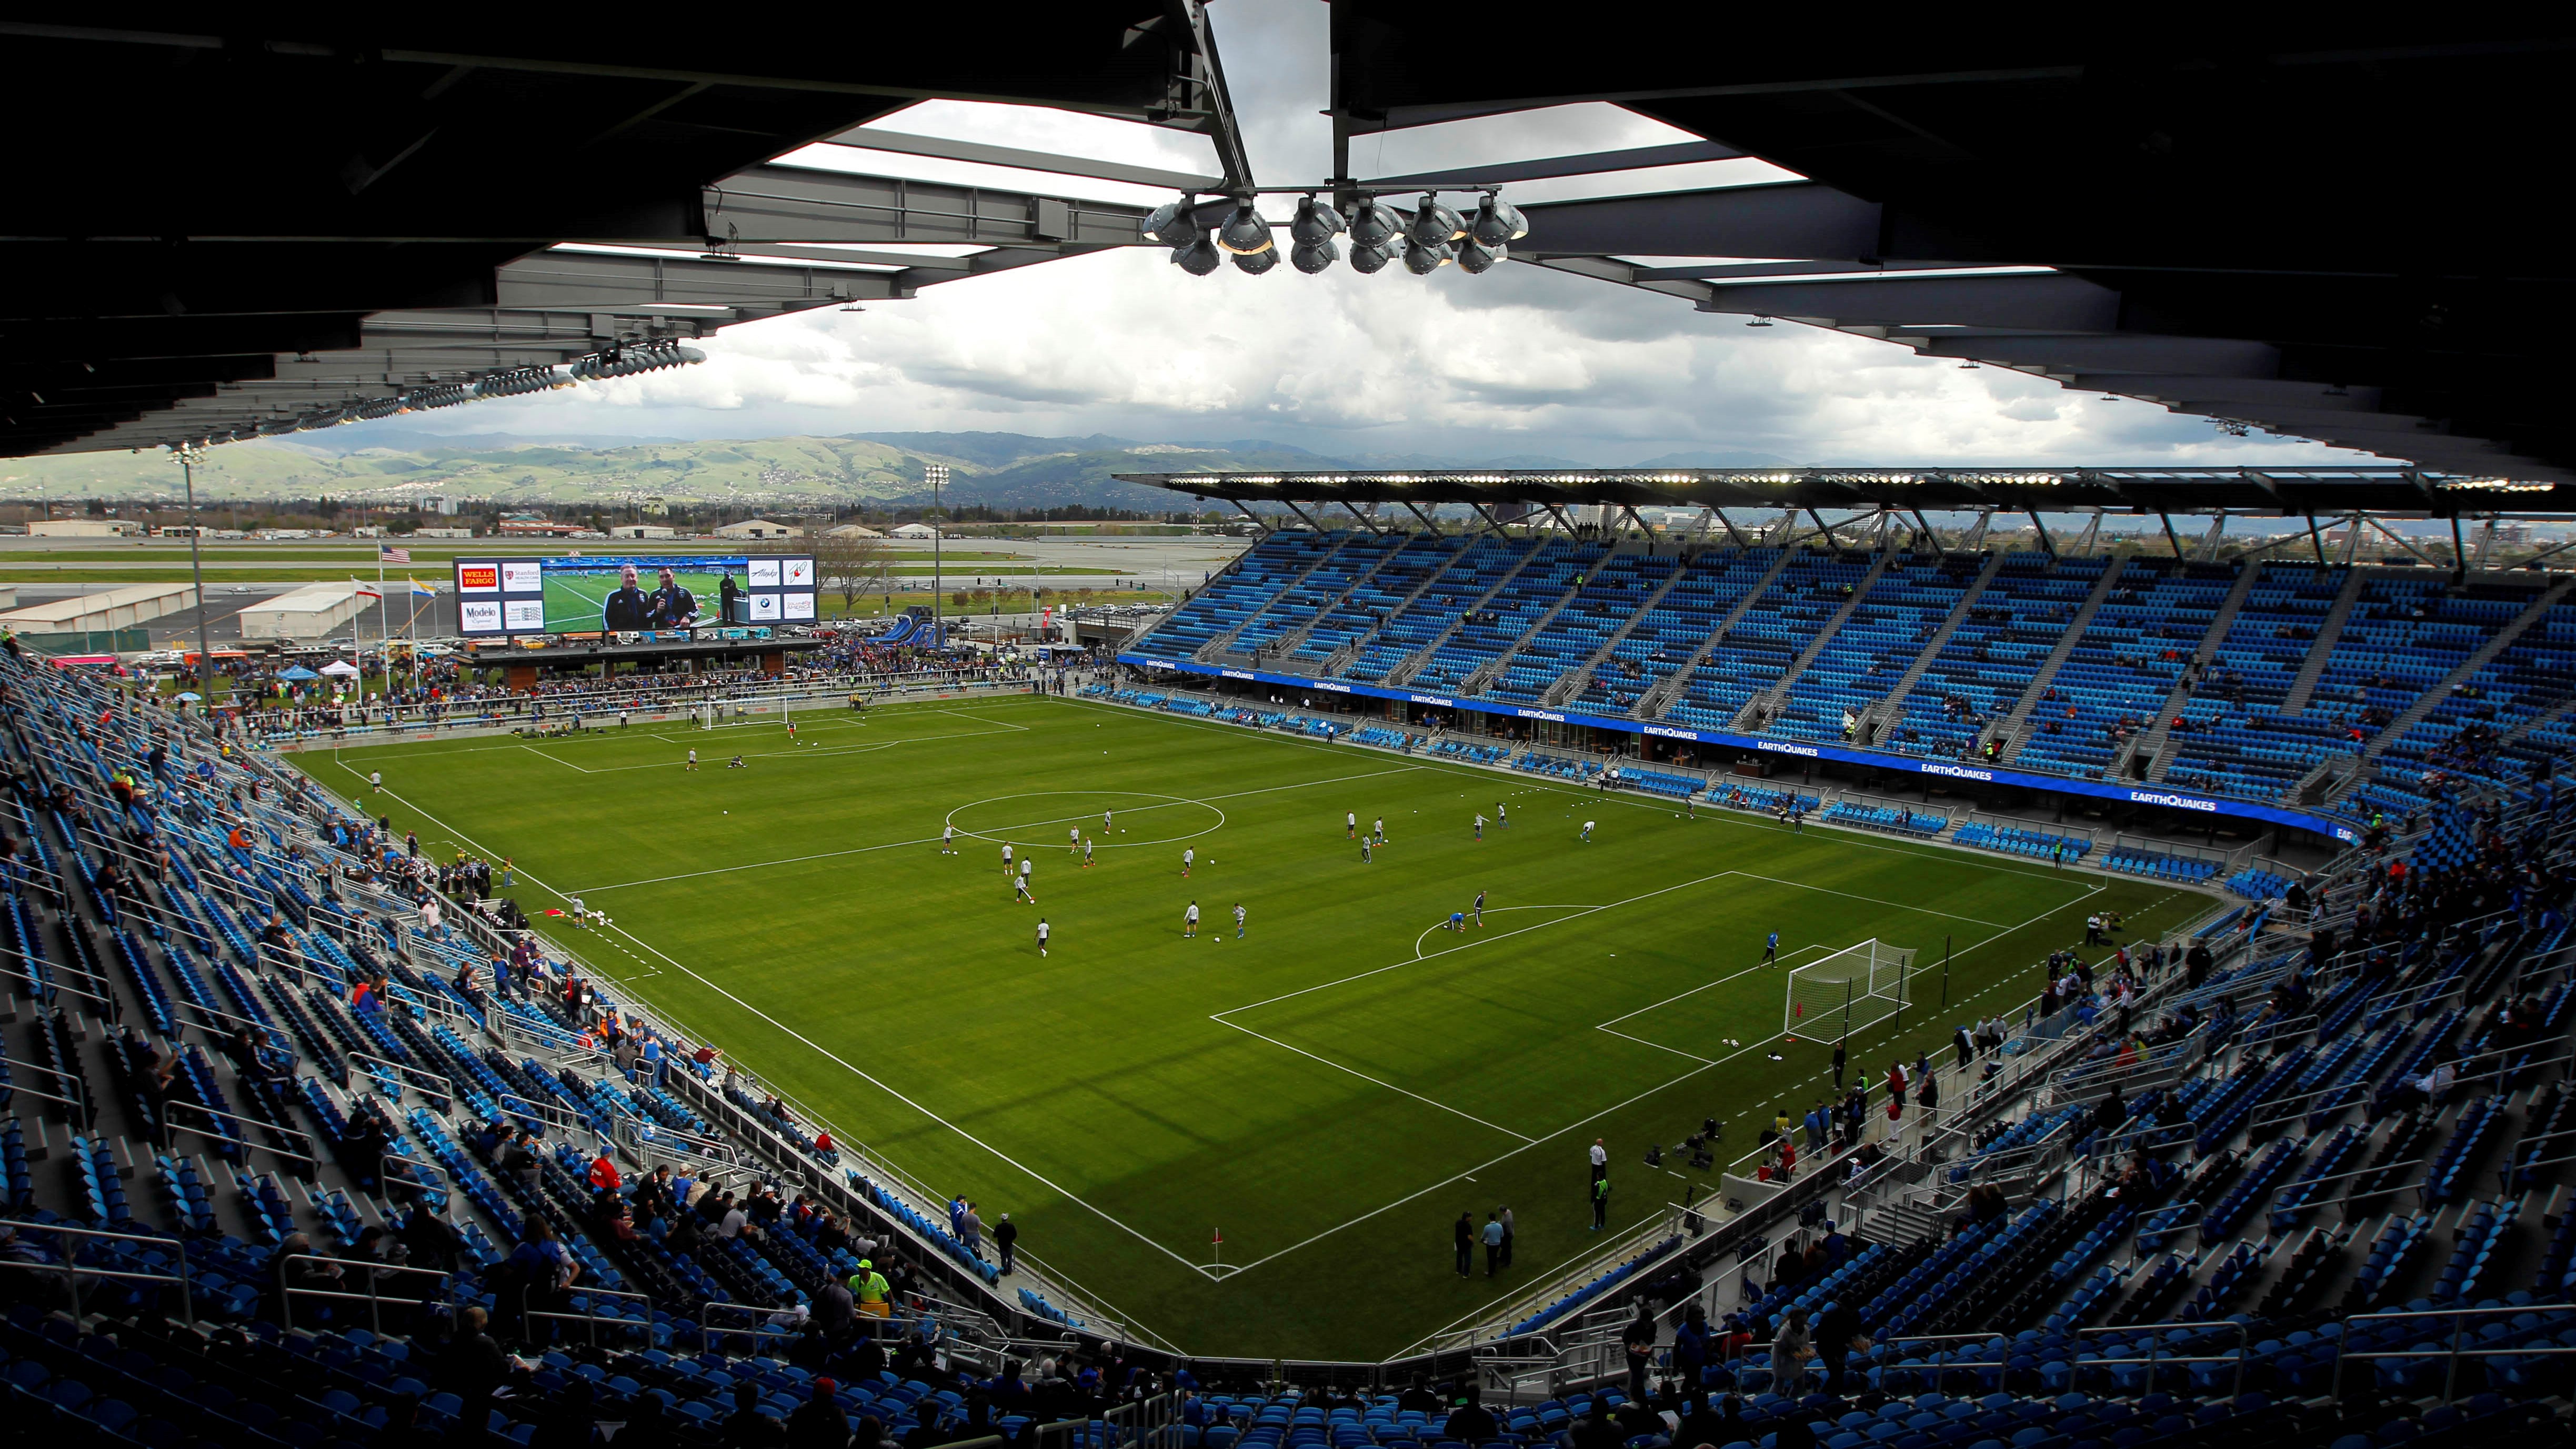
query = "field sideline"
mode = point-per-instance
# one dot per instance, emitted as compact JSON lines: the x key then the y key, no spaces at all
{"x":1327,"y":1093}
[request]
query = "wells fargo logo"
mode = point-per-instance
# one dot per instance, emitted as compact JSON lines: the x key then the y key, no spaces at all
{"x":479,"y":576}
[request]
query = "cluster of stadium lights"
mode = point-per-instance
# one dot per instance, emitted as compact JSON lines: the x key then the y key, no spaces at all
{"x":1432,"y":238}
{"x":622,"y":360}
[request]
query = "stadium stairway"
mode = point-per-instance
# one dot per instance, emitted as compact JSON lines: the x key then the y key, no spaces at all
{"x":2146,"y":758}
{"x":1874,"y":723}
{"x":2014,"y":731}
{"x":2329,"y":634}
{"x":1659,"y":697}
{"x":1581,"y":675}
{"x":1404,"y":673}
{"x":1481,"y":682}
{"x":1222,"y":648}
{"x":2433,"y":698}
{"x":1765,"y":705}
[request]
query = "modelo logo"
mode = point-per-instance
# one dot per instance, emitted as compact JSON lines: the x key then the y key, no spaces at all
{"x":1669,"y":733}
{"x":1540,"y":714}
{"x":479,"y":576}
{"x":1235,"y":674}
{"x":2179,"y":802}
{"x":1956,"y":771}
{"x":1780,"y":749}
{"x":1432,"y":699}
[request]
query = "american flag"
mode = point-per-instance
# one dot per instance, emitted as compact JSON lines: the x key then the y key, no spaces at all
{"x":392,"y":555}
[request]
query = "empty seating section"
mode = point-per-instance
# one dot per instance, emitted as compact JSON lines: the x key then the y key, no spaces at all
{"x":1342,"y":614}
{"x":1875,"y":646}
{"x":1493,"y":630}
{"x":1766,"y":639}
{"x":1895,"y":818}
{"x":2134,"y":649}
{"x":1417,"y":559}
{"x":1612,"y":591}
{"x":2017,"y":840}
{"x":1471,"y":573}
{"x":2158,"y":865}
{"x":1243,"y":590}
{"x":1987,"y":663}
{"x":1666,"y":634}
{"x":1557,"y":577}
{"x":2232,"y":738}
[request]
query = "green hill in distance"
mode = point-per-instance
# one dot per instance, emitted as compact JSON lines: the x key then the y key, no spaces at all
{"x":1004,"y":470}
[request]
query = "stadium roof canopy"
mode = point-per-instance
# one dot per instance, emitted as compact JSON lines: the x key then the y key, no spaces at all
{"x":2334,"y":226}
{"x":232,"y":224}
{"x":2273,"y":492}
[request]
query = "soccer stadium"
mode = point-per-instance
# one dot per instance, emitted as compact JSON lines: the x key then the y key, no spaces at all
{"x":2027,"y":956}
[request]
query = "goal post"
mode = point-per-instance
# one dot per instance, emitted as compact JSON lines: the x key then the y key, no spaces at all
{"x":1856,"y":987}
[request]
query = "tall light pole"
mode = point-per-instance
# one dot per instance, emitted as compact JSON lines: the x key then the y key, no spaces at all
{"x":190,"y":455}
{"x":937,"y":473}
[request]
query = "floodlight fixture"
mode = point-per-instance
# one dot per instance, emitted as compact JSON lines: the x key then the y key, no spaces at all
{"x":1759,"y":322}
{"x":1476,"y":258}
{"x":1172,"y":224}
{"x":1247,"y":232}
{"x":1258,"y":262}
{"x":1497,"y":222}
{"x":1199,"y":257}
{"x":625,"y":360}
{"x":1374,"y":223}
{"x":1423,"y":258}
{"x":1314,"y":257}
{"x":1367,"y":260}
{"x":1315,"y":222}
{"x":1434,"y":223}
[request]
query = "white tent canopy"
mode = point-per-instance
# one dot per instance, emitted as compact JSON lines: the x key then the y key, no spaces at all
{"x":340,"y":667}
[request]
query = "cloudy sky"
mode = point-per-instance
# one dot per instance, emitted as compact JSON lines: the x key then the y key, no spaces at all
{"x":1516,"y":362}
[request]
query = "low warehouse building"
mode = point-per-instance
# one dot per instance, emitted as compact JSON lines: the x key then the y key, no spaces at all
{"x":311,"y":612}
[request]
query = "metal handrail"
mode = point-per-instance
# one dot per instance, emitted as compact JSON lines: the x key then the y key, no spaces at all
{"x":590,"y":1298}
{"x":2459,"y":1322}
{"x":71,"y":1270}
{"x":286,"y":1296}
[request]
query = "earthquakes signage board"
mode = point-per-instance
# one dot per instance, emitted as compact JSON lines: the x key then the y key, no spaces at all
{"x":2165,"y":796}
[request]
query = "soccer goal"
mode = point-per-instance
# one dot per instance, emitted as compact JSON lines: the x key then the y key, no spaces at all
{"x":1855,"y":987}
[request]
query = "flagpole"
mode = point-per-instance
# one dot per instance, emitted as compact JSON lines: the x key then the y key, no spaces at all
{"x":385,"y":631}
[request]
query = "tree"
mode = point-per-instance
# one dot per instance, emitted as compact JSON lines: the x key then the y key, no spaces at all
{"x":850,"y":566}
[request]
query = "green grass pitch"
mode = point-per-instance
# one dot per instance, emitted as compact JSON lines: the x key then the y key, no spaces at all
{"x":1329,"y":1092}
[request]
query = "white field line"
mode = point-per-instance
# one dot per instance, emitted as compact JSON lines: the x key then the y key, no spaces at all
{"x":1576,"y":1126}
{"x":964,"y":834}
{"x":829,"y":1055}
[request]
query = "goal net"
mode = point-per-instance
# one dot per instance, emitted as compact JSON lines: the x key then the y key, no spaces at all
{"x":1856,"y":987}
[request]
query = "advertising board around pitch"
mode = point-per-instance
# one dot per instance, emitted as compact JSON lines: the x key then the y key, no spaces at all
{"x":619,"y":593}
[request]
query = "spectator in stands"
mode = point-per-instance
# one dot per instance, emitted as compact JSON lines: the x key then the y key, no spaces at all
{"x":1470,"y":1422}
{"x":1791,"y":1348}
